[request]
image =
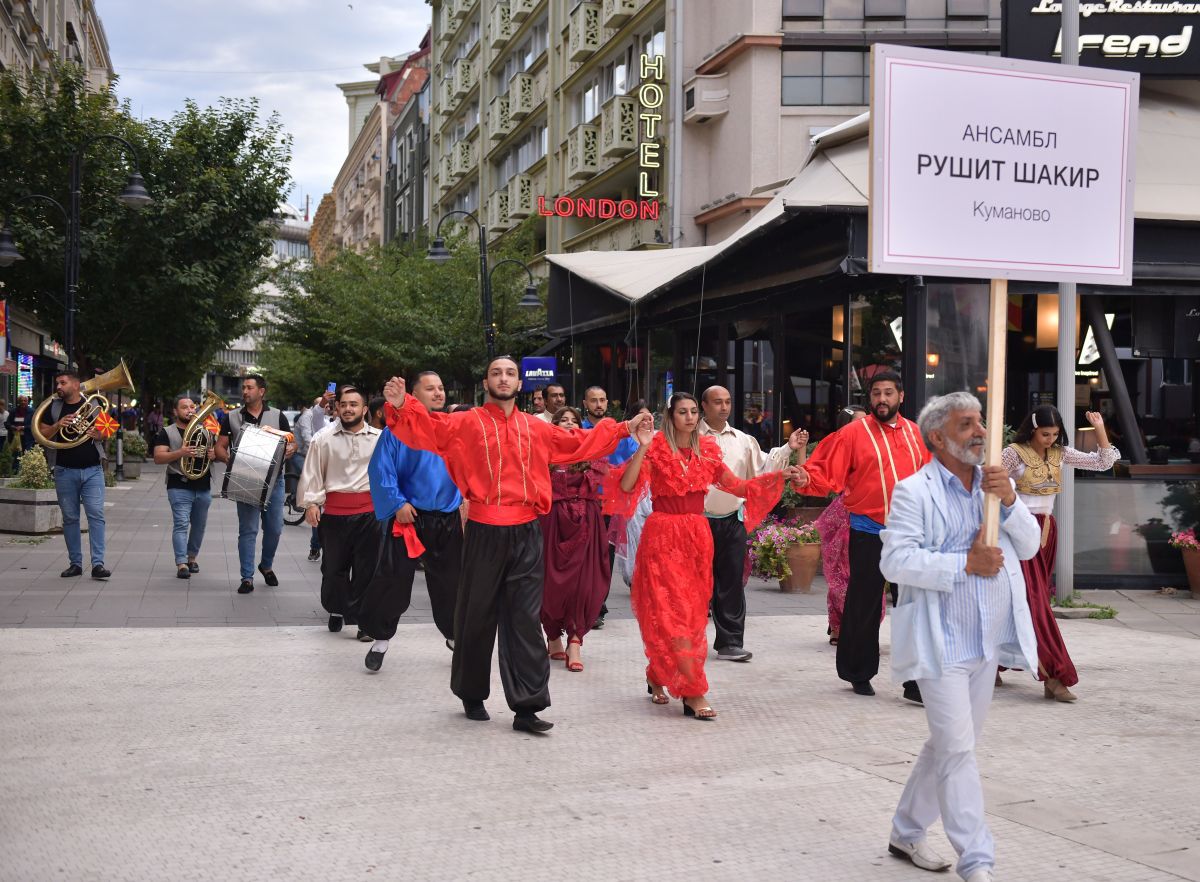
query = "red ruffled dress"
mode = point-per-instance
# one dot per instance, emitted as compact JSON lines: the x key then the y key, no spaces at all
{"x":672,"y":577}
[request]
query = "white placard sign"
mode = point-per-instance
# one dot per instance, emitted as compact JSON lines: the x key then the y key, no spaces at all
{"x":997,"y":168}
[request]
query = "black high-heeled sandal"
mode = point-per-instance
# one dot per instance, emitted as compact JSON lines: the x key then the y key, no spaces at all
{"x":689,"y":711}
{"x":654,"y":697}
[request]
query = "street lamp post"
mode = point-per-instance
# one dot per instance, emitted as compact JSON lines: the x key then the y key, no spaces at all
{"x":133,"y":195}
{"x":439,"y":253}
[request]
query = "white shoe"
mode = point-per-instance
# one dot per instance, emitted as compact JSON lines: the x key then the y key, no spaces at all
{"x":983,"y":874}
{"x":921,"y":855}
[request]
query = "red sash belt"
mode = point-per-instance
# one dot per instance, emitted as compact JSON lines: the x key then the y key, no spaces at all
{"x":500,"y":515}
{"x":689,"y":503}
{"x":348,"y":503}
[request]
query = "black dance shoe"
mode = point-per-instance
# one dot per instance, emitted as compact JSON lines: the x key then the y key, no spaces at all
{"x":72,"y":571}
{"x":864,"y":688}
{"x":99,"y":572}
{"x":335,"y":622}
{"x":476,"y":711}
{"x":531,"y":723}
{"x":269,"y":577}
{"x":246,"y":586}
{"x":374,"y":660}
{"x":913,"y":692}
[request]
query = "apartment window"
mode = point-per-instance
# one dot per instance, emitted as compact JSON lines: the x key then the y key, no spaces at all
{"x":793,"y":9}
{"x":883,"y":9}
{"x":468,"y":199}
{"x":523,"y":154}
{"x":966,"y":8}
{"x":822,"y":78}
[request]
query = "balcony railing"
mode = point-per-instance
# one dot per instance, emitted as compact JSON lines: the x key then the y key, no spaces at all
{"x":585,"y":34}
{"x":520,"y":196}
{"x":498,"y":216}
{"x":501,"y":119}
{"x":619,"y":126}
{"x":520,"y":95}
{"x":500,"y":28}
{"x":617,"y":12}
{"x":519,"y":10}
{"x":583,"y":152}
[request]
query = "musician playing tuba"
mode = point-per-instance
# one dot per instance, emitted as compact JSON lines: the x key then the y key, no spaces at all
{"x":75,"y":450}
{"x":187,"y":447}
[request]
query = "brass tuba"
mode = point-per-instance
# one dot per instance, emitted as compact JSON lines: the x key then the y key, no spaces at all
{"x":83,"y":420}
{"x":195,"y":435}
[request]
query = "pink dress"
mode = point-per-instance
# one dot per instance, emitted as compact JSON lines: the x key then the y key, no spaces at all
{"x":575,"y":551}
{"x":834,"y":528}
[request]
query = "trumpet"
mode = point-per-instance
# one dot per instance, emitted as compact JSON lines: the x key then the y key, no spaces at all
{"x":83,"y":420}
{"x":195,"y":435}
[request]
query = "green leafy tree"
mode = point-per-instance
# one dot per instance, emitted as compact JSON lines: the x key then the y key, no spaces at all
{"x":365,"y":317}
{"x":164,"y":287}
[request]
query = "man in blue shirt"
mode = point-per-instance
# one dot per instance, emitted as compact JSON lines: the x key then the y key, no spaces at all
{"x":595,"y":405}
{"x":417,"y":505}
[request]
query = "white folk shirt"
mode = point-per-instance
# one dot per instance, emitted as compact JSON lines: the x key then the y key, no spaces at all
{"x":745,"y":459}
{"x":337,"y":463}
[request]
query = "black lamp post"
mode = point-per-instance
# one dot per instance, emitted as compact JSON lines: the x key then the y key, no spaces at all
{"x":439,"y":253}
{"x":133,"y":195}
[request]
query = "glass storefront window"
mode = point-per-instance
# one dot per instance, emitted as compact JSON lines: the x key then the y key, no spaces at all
{"x":1123,"y":527}
{"x":957,"y":344}
{"x":876,"y":338}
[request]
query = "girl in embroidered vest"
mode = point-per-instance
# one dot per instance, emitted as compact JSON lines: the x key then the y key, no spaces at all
{"x":1035,"y":460}
{"x":672,"y":576}
{"x":578,"y":570}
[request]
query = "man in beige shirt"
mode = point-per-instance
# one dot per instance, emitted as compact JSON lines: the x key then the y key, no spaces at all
{"x":553,"y":397}
{"x":336,"y":494}
{"x":745,"y":459}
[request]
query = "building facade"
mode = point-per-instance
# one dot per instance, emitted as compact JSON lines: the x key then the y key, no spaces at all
{"x":33,"y":33}
{"x":290,"y":253}
{"x":406,"y":188}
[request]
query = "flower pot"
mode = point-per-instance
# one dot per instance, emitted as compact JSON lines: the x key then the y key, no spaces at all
{"x":803,"y":560}
{"x":29,"y":511}
{"x":131,"y":468}
{"x":1191,"y":563}
{"x":805,"y":514}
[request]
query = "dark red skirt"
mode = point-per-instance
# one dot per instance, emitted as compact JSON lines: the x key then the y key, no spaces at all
{"x":1052,"y":651}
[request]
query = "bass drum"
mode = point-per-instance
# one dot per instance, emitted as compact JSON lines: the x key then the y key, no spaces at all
{"x":255,"y":464}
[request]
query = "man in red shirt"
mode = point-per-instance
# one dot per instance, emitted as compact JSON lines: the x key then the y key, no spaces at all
{"x":500,"y":460}
{"x":864,"y":461}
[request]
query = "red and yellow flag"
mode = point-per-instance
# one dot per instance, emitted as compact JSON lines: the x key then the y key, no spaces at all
{"x":211,"y":425}
{"x":106,"y":425}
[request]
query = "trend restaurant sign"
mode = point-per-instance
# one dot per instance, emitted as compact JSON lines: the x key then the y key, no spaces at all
{"x":1151,"y":37}
{"x":993,"y":168}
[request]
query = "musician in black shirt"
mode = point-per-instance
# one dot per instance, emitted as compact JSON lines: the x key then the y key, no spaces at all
{"x":78,"y":478}
{"x":189,"y":499}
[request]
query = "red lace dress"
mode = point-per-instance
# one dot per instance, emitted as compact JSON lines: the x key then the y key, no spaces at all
{"x":672,"y":577}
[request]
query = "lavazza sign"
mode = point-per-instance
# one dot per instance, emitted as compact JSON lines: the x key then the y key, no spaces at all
{"x":1153,"y":37}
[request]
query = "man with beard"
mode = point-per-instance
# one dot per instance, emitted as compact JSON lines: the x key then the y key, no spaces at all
{"x":416,"y":506}
{"x":336,"y":495}
{"x":595,"y":405}
{"x":500,"y":457}
{"x":962,"y":611}
{"x":254,"y":411}
{"x":864,"y":461}
{"x":553,"y":397}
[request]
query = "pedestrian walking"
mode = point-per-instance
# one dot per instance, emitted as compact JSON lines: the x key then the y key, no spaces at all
{"x":1035,"y":460}
{"x":335,"y":493}
{"x":725,"y":512}
{"x":499,"y":458}
{"x":311,"y":421}
{"x":78,"y":478}
{"x":864,"y":461}
{"x":256,"y":412}
{"x":961,"y":610}
{"x":189,"y":498}
{"x":673,"y":577}
{"x":576,"y":552}
{"x":416,"y":508}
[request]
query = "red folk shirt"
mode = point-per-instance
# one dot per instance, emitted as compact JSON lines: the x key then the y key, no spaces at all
{"x":501,"y":463}
{"x":865,"y":460}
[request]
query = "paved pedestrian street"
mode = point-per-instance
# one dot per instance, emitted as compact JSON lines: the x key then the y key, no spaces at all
{"x":142,"y":738}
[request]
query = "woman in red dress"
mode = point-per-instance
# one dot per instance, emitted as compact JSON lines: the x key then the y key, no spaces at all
{"x":575,"y":546}
{"x":672,"y":577}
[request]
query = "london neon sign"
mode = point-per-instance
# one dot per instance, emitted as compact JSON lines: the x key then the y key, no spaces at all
{"x":651,"y":96}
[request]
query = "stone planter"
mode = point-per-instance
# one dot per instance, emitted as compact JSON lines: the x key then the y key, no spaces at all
{"x":803,"y":560}
{"x":132,"y":467}
{"x":29,"y":511}
{"x":1191,"y":563}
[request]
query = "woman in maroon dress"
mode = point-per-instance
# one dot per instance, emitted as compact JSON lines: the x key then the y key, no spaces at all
{"x":672,"y":576}
{"x":578,"y":570}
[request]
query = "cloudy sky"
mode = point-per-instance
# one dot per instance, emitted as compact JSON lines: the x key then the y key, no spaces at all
{"x":290,"y":54}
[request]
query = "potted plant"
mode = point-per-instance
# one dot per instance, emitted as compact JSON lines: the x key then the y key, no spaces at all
{"x":799,"y":507}
{"x":28,"y":502}
{"x":786,"y":550}
{"x":133,"y":451}
{"x":1189,"y":547}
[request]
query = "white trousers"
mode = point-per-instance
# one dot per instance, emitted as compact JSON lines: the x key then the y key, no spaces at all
{"x":945,"y":780}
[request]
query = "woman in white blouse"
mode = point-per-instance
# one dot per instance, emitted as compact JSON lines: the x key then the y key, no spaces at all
{"x":1035,"y":460}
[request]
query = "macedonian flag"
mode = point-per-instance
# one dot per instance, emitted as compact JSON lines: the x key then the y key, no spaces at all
{"x":106,"y":425}
{"x":211,"y":425}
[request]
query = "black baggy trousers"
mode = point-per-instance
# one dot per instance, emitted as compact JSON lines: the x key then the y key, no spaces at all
{"x":858,"y":640}
{"x":500,"y":589}
{"x":729,"y":588}
{"x":351,"y":548}
{"x":389,"y":592}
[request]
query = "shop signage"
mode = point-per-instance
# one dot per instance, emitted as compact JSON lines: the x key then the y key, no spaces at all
{"x":650,"y":96}
{"x":538,"y":370}
{"x":1187,"y":327}
{"x":53,"y":349}
{"x":25,"y":374}
{"x":1000,"y":169}
{"x":1148,"y":36}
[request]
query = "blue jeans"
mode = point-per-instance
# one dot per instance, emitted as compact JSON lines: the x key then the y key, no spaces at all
{"x":272,"y":527}
{"x":86,"y":486}
{"x":189,"y":509}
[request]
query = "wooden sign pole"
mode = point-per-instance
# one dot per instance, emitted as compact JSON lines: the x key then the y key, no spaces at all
{"x":997,"y":345}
